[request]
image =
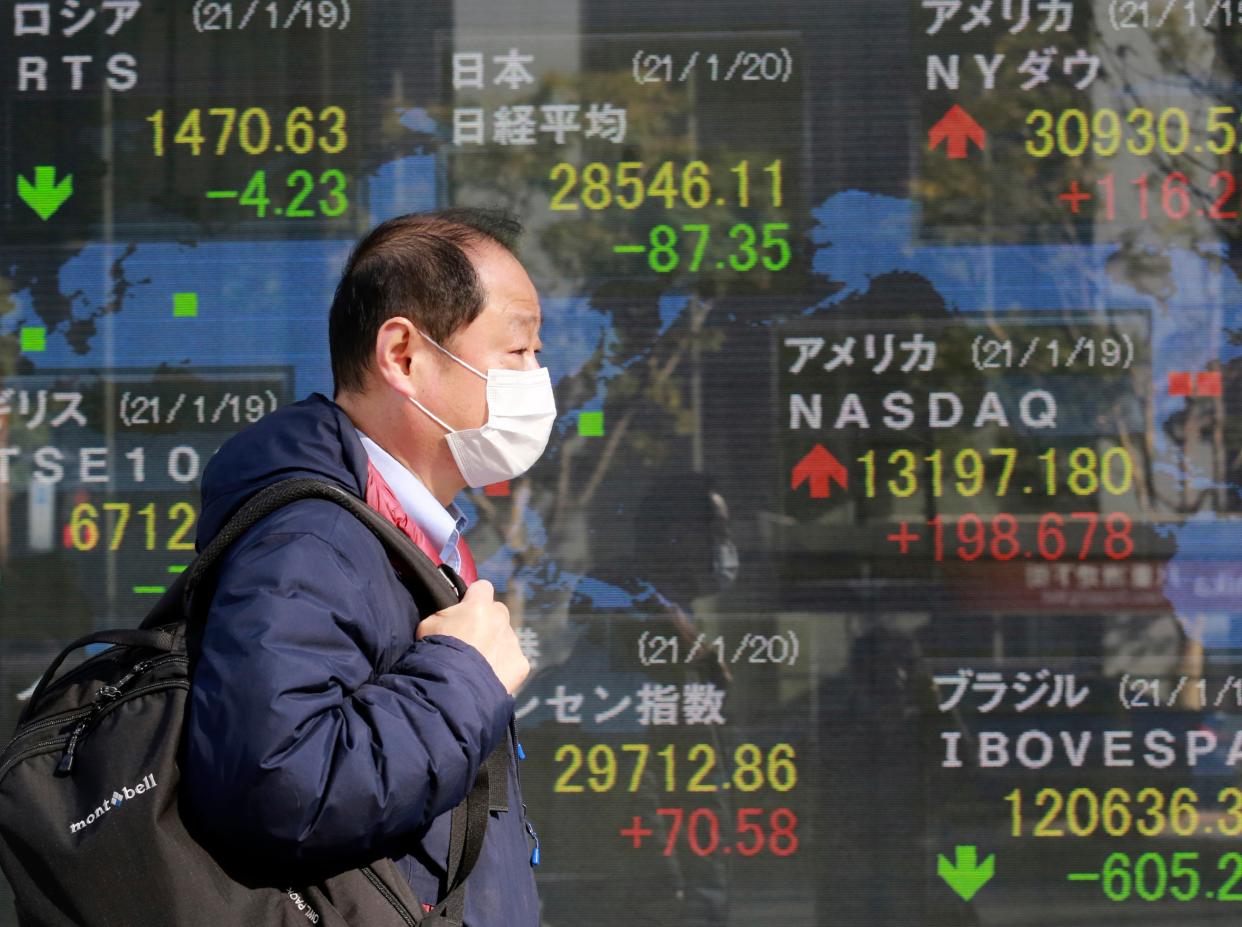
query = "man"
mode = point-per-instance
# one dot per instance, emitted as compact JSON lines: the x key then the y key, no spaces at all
{"x":329,"y":721}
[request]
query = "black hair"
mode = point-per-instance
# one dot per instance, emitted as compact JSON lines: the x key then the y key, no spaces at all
{"x":417,"y":267}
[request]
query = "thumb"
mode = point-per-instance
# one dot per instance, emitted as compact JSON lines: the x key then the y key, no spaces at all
{"x":480,"y":590}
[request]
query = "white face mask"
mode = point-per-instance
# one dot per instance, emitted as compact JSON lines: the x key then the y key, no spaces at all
{"x":521,"y":410}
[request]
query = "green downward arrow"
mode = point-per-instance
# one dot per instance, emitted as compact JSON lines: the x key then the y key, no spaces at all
{"x":45,"y":195}
{"x":966,"y":876}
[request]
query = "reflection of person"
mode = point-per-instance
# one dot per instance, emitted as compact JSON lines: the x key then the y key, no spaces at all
{"x":682,"y":526}
{"x":873,"y":806}
{"x":686,"y":551}
{"x":681,"y":550}
{"x":329,"y":721}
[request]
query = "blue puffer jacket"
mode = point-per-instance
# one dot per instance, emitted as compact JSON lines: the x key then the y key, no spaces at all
{"x":319,"y":727}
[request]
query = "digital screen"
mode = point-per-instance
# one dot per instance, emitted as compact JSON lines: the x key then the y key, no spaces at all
{"x":882,"y":568}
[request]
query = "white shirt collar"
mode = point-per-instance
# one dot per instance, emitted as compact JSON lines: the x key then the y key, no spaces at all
{"x":443,"y":526}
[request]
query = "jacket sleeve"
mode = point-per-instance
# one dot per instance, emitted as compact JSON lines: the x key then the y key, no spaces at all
{"x":295,"y":745}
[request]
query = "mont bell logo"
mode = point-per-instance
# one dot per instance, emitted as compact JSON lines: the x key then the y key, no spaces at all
{"x":118,"y":798}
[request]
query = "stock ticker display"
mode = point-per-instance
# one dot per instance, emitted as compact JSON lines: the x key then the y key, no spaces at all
{"x":883,"y":566}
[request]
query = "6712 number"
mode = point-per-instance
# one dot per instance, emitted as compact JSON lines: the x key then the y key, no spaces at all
{"x":86,"y":528}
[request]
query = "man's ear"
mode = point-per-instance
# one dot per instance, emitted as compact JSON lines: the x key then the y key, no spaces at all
{"x":399,"y":354}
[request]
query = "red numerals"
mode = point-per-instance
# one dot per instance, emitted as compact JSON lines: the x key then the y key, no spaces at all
{"x":699,"y":830}
{"x":1080,"y":536}
{"x":1173,"y":196}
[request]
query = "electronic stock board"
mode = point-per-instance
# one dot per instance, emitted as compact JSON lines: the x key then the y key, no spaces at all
{"x":928,"y":311}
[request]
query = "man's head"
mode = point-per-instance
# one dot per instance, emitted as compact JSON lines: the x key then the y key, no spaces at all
{"x":413,"y":285}
{"x":417,"y":267}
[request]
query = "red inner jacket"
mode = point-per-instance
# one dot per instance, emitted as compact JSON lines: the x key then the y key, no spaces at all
{"x":381,"y":498}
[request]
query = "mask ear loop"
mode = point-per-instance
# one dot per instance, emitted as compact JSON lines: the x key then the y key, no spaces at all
{"x":431,"y":415}
{"x":449,"y":353}
{"x":439,"y":347}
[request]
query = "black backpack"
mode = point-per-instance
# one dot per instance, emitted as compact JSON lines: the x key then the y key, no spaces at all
{"x":91,"y":829}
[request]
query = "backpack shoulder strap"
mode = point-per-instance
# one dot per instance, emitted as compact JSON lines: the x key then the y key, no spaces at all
{"x":433,"y":590}
{"x":433,"y":587}
{"x":467,"y":828}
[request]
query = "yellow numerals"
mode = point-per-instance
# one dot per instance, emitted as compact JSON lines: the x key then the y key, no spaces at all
{"x":1117,"y":812}
{"x":629,"y":184}
{"x":599,"y":768}
{"x":1079,"y":471}
{"x":122,"y":522}
{"x":1104,"y":133}
{"x":218,"y":130}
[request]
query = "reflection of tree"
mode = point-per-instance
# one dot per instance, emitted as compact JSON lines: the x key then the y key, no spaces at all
{"x":650,"y":383}
{"x":571,"y":240}
{"x":648,"y":417}
{"x":1006,"y":195}
{"x":518,"y":175}
{"x":1197,"y":62}
{"x":647,"y":356}
{"x":1178,"y":64}
{"x":1002,"y":194}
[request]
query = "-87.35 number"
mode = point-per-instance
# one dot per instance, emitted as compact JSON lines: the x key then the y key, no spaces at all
{"x":664,"y":245}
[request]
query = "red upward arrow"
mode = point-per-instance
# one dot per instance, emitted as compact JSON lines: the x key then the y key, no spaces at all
{"x":959,"y":128}
{"x":822,"y":469}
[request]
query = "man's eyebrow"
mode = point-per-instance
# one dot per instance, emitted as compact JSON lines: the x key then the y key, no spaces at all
{"x":523,"y":318}
{"x":526,"y":321}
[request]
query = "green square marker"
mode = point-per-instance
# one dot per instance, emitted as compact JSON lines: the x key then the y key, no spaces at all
{"x":591,"y":424}
{"x":185,"y":305}
{"x":34,"y":339}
